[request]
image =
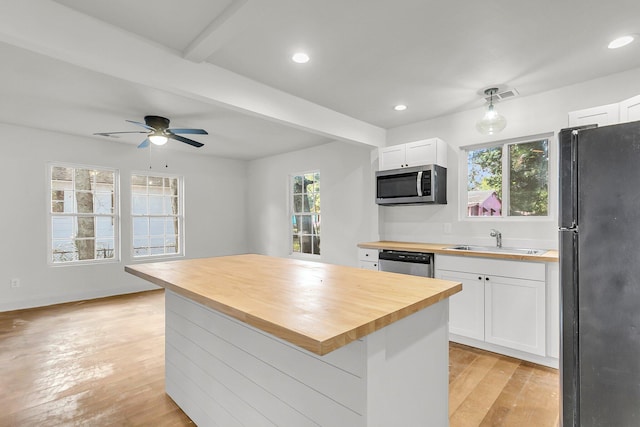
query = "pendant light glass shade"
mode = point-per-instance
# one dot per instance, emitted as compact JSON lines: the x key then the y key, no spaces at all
{"x":492,"y":122}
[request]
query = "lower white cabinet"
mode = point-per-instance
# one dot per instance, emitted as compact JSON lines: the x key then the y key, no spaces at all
{"x":502,"y":303}
{"x":368,"y":259}
{"x":466,"y":308}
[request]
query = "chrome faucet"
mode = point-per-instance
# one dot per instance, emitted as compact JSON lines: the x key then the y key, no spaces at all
{"x":498,"y":235}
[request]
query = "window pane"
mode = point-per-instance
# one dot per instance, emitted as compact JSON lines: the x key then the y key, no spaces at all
{"x":104,"y":227}
{"x":297,"y":203}
{"x":308,"y":183}
{"x":61,"y":227}
{"x":305,"y":244}
{"x":170,"y":205}
{"x":156,"y":226}
{"x":63,"y":251}
{"x":104,"y":249}
{"x":528,"y":179}
{"x":316,"y":245}
{"x":484,"y":182}
{"x":297,"y":184}
{"x":296,"y":243}
{"x":316,"y":224}
{"x":139,"y":184}
{"x":171,"y":244}
{"x":140,"y":246}
{"x":156,"y":245}
{"x":295,"y":224}
{"x":139,"y":205}
{"x":141,"y":227}
{"x":103,"y":203}
{"x":171,"y":226}
{"x":156,"y":205}
{"x":305,"y":224}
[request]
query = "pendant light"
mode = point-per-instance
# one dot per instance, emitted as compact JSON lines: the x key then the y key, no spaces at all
{"x":492,"y":122}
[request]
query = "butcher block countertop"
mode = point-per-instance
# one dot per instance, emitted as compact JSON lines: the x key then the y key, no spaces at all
{"x":439,"y":248}
{"x":319,"y":307}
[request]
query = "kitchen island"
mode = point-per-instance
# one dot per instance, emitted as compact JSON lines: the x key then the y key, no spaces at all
{"x":257,"y":340}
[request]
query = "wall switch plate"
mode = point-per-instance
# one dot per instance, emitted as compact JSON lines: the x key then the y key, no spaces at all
{"x":447,"y":228}
{"x":14,"y":283}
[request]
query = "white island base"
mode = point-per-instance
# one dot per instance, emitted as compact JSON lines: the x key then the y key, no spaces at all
{"x":226,"y":373}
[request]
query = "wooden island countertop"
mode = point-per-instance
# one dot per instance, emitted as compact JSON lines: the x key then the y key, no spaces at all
{"x":319,"y":307}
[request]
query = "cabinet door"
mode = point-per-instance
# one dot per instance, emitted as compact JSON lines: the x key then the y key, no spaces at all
{"x":630,"y":109}
{"x":466,"y":308}
{"x":515,"y":313}
{"x":602,"y":116}
{"x":392,"y":157}
{"x":420,"y":153}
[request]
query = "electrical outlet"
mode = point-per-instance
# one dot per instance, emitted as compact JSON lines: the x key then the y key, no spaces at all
{"x":14,"y":283}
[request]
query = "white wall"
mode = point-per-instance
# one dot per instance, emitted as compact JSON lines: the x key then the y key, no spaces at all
{"x":215,"y":211}
{"x":349,"y":215}
{"x":531,"y":115}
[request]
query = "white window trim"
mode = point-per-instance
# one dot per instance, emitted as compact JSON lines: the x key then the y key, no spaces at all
{"x":552,"y":182}
{"x":292,"y":254}
{"x":181,"y":218}
{"x":115,"y":216}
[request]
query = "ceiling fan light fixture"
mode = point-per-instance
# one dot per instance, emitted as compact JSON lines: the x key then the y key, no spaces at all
{"x":492,"y":122}
{"x":158,"y":139}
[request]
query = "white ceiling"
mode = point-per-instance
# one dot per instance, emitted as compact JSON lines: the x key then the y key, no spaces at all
{"x":84,"y":66}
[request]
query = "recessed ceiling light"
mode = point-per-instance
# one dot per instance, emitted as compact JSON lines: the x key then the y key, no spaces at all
{"x":400,"y":107}
{"x":300,"y":58}
{"x":620,"y":41}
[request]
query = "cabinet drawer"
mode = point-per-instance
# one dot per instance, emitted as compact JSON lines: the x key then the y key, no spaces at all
{"x":368,"y":254}
{"x":368,"y":265}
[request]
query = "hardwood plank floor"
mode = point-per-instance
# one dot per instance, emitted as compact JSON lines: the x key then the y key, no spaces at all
{"x":101,"y":363}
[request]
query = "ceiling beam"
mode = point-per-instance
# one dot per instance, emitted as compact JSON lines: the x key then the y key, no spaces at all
{"x":217,"y":33}
{"x":48,"y":28}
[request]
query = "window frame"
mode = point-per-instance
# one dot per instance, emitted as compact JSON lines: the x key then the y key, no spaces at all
{"x":181,"y":217}
{"x":506,"y":197}
{"x":116,"y":215}
{"x":291,"y":213}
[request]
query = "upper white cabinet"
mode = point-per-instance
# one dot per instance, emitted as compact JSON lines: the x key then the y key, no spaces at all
{"x":630,"y":109}
{"x":621,"y":112}
{"x":417,"y":153}
{"x":601,"y":116}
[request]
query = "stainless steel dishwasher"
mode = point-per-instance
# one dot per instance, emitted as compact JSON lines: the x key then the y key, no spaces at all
{"x":404,"y":262}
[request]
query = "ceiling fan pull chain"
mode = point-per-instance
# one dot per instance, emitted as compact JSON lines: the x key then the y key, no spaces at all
{"x":150,"y":157}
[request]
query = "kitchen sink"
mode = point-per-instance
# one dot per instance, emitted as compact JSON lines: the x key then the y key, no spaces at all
{"x":495,"y":249}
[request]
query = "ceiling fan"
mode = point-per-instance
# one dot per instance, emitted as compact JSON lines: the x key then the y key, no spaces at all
{"x":158,"y":132}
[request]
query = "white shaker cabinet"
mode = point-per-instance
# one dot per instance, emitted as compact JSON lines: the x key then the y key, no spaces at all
{"x":515,"y":313}
{"x":602,"y":115}
{"x":630,"y":109}
{"x":466,"y":308}
{"x":417,"y":153}
{"x":502,"y":305}
{"x":368,"y":259}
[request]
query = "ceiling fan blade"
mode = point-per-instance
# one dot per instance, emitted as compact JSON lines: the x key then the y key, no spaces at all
{"x":144,"y":143}
{"x":140,"y":124}
{"x":115,"y":133}
{"x":188,"y":131}
{"x":185,"y":140}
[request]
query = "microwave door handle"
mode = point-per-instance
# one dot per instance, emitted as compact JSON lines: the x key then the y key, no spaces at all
{"x":419,"y":184}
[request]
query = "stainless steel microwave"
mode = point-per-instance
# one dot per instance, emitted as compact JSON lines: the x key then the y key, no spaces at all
{"x":412,"y":186}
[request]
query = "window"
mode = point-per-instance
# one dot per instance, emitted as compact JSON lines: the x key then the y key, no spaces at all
{"x":305,"y":213}
{"x":156,"y":210}
{"x":83,"y":214}
{"x":508,"y":180}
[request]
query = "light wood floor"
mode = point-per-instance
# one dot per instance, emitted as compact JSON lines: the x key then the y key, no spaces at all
{"x":101,"y":363}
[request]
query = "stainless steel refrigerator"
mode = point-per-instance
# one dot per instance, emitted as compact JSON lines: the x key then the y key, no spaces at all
{"x":600,"y":275}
